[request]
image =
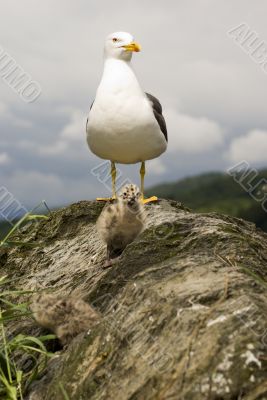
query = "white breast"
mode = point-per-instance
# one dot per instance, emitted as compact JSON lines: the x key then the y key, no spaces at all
{"x":121,"y":125}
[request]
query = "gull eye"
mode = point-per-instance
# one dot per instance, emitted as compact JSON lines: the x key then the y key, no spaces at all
{"x":115,"y":39}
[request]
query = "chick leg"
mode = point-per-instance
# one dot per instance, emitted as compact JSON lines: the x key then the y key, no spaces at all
{"x":108,"y":262}
{"x":113,"y":174}
{"x":142,"y":174}
{"x":111,"y":259}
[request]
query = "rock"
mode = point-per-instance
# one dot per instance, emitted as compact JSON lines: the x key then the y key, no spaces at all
{"x":183,"y":310}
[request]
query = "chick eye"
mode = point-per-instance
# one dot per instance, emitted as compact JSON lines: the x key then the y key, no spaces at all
{"x":115,"y":39}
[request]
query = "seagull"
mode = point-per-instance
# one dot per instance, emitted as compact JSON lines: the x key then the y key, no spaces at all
{"x":125,"y":125}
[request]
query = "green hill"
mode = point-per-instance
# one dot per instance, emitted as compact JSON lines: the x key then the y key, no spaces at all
{"x":4,"y":229}
{"x":215,"y":192}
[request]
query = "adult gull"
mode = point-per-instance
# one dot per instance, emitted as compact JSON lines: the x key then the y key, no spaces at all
{"x":125,"y":125}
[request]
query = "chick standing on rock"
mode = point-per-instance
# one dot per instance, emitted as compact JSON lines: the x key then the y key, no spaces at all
{"x":121,"y":221}
{"x":66,"y":317}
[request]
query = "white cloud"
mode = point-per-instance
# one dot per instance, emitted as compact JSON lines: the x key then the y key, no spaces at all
{"x":13,"y":119}
{"x":26,"y":145}
{"x":30,"y":187}
{"x":192,"y":135}
{"x":72,"y":132}
{"x":251,"y":147}
{"x":156,"y":167}
{"x":58,"y":147}
{"x":3,"y":109}
{"x":21,"y":123}
{"x":4,"y":159}
{"x":75,"y":129}
{"x":52,"y":149}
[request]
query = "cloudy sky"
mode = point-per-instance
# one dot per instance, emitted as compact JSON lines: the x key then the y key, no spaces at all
{"x":213,"y":88}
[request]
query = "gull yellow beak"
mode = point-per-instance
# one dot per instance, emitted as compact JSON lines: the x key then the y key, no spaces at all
{"x":132,"y":47}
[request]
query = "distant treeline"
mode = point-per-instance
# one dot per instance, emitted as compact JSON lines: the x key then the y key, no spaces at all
{"x":4,"y":229}
{"x":215,"y":192}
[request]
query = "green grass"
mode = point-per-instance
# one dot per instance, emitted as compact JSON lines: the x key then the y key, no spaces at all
{"x":6,"y":227}
{"x":29,"y":216}
{"x":14,"y":377}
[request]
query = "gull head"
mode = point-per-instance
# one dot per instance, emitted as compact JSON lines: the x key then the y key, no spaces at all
{"x":120,"y":45}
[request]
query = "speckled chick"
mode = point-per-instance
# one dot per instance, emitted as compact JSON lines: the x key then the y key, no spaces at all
{"x":65,"y":316}
{"x":121,"y":221}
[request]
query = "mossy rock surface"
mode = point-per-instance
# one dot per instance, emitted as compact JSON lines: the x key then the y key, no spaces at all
{"x":183,"y":310}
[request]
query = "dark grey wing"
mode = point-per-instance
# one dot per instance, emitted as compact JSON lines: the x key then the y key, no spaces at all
{"x":157,"y":110}
{"x":87,"y":118}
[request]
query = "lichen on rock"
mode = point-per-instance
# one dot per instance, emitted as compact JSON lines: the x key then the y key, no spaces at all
{"x":183,"y":310}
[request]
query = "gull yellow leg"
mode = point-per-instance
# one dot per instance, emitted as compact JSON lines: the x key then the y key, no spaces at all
{"x":142,"y":174}
{"x":113,"y":177}
{"x":113,"y":174}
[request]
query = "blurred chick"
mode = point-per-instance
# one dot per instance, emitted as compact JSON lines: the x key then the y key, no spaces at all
{"x":65,"y":316}
{"x":121,"y":221}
